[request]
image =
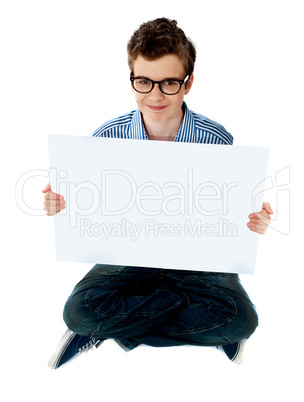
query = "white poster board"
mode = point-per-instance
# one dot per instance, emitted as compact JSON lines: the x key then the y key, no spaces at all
{"x":157,"y":204}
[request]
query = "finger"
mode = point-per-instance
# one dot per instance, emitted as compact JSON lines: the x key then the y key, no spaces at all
{"x":266,"y":206}
{"x":261,"y":229}
{"x":258,"y":224}
{"x":53,"y":196}
{"x":53,"y":208}
{"x":53,"y":202}
{"x":258,"y":221}
{"x":50,"y":211}
{"x":47,"y":188}
{"x":259,"y":215}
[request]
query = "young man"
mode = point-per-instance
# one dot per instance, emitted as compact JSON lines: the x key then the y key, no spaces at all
{"x":159,"y":307}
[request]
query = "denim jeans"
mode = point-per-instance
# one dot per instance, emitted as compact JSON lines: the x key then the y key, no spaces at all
{"x":160,"y":307}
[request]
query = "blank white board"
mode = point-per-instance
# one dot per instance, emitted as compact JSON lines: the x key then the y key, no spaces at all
{"x":157,"y":204}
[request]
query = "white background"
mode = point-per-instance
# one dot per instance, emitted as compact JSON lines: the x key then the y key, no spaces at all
{"x":64,"y":71}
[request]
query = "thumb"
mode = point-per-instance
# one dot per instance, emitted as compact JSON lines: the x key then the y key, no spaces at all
{"x":267,"y":208}
{"x":47,"y":188}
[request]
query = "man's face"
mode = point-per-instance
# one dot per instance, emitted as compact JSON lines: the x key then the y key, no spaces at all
{"x":156,"y":106}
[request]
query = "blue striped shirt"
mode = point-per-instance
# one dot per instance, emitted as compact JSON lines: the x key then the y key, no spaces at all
{"x":194,"y":128}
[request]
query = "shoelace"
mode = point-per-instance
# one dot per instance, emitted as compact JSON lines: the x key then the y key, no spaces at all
{"x":87,"y":346}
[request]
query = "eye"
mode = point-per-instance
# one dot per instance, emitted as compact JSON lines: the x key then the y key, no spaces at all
{"x":170,"y":83}
{"x":143,"y":81}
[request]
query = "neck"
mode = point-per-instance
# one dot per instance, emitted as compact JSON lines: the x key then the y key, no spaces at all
{"x":159,"y":133}
{"x":163,"y":131}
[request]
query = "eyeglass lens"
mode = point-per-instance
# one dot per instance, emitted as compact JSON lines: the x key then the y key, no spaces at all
{"x":169,"y":87}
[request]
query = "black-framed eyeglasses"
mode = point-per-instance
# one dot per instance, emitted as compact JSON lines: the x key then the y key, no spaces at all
{"x":168,"y":86}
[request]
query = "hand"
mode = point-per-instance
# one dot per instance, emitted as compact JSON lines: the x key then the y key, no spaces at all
{"x":259,"y":221}
{"x":53,"y":203}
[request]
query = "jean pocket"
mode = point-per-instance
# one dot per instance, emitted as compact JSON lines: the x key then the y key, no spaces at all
{"x":103,"y":269}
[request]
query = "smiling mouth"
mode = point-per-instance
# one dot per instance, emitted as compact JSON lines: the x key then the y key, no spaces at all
{"x":156,"y":108}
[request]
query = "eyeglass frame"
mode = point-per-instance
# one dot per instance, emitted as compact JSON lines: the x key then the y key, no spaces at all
{"x":181,"y":82}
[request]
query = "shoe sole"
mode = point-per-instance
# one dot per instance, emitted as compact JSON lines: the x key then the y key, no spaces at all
{"x":62,"y":346}
{"x":239,"y":356}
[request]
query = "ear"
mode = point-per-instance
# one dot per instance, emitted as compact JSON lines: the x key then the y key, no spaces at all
{"x":189,"y":84}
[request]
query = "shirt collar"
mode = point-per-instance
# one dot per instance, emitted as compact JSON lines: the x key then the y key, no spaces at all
{"x":185,"y":133}
{"x":137,"y":128}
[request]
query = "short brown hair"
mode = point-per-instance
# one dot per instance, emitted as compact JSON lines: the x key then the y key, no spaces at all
{"x":158,"y":38}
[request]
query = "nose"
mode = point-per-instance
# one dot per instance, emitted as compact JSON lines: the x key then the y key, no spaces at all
{"x":156,"y":94}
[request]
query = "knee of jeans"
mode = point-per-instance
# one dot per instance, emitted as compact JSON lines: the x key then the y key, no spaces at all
{"x":74,"y":315}
{"x":251,"y":321}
